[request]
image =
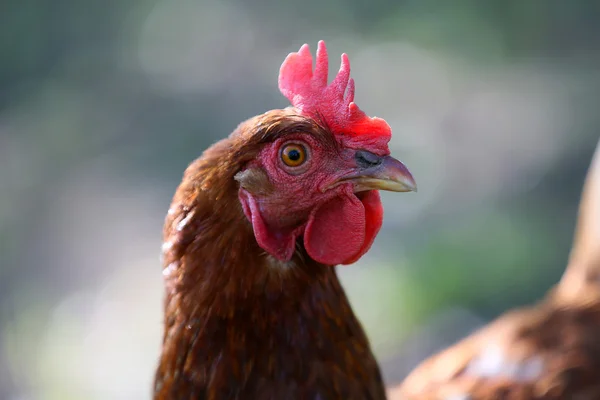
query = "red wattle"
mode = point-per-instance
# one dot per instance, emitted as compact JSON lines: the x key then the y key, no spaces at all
{"x":343,"y":229}
{"x":374,"y":218}
{"x":336,"y":230}
{"x":279,"y":244}
{"x":340,"y":231}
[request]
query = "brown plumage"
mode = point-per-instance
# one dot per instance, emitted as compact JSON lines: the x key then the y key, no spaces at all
{"x":237,"y":324}
{"x":548,"y":351}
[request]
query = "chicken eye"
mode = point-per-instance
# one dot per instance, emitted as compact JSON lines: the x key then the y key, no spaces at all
{"x":293,"y":155}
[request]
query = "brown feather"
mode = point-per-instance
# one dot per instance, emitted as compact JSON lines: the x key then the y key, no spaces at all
{"x":238,"y":323}
{"x":550,"y":351}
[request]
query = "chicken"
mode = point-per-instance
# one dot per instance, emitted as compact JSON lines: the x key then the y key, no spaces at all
{"x":254,"y":308}
{"x":548,"y":351}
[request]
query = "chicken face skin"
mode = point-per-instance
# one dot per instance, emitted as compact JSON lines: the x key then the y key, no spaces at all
{"x":328,"y":195}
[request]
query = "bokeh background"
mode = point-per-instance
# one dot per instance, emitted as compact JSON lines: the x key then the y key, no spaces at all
{"x":494,"y":107}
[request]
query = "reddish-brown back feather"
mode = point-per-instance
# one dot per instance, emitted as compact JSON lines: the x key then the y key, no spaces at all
{"x":547,"y":352}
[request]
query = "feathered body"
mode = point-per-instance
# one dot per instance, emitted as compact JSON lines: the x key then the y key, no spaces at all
{"x":550,"y":351}
{"x":254,"y":308}
{"x":547,"y":352}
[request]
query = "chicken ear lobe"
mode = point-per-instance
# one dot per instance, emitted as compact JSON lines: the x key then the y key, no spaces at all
{"x":335,"y":232}
{"x":280,"y":245}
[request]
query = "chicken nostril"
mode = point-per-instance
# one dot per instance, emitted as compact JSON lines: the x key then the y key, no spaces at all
{"x":366,"y":159}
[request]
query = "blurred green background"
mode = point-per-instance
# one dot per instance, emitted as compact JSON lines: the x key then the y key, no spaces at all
{"x":494,"y":107}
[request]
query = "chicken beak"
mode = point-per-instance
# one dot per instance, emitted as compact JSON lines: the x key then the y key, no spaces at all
{"x":379,"y":173}
{"x":389,"y":175}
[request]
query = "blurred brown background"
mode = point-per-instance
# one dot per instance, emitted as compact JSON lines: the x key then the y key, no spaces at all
{"x":494,"y":107}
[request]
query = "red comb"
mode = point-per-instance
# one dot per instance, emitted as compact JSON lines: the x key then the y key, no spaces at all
{"x":331,"y":104}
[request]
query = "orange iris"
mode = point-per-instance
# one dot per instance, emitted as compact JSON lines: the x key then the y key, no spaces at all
{"x":293,"y":155}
